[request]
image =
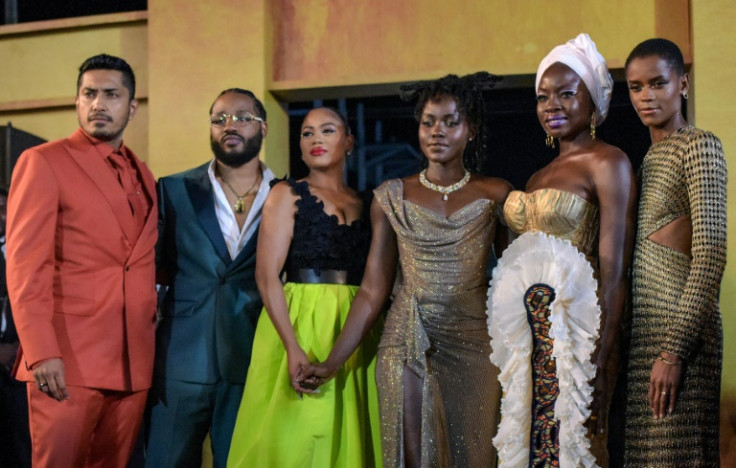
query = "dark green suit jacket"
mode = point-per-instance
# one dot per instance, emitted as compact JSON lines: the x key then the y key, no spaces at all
{"x":211,"y":308}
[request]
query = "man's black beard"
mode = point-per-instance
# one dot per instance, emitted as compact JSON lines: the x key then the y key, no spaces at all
{"x":251,"y":148}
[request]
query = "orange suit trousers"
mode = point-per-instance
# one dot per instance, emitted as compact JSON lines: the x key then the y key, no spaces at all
{"x":93,"y":428}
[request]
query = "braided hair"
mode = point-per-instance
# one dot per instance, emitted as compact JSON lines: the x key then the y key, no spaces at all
{"x":467,"y":91}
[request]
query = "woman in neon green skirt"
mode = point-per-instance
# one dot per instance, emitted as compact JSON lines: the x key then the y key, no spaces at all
{"x":317,"y":231}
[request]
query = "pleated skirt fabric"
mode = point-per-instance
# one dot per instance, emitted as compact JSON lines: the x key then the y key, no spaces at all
{"x":338,"y":427}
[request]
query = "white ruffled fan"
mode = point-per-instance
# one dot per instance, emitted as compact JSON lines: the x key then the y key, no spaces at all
{"x":534,"y":258}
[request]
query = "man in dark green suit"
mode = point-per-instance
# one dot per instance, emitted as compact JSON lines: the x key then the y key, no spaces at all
{"x":208,"y":226}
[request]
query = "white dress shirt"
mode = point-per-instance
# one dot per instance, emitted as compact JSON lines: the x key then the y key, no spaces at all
{"x":236,"y":238}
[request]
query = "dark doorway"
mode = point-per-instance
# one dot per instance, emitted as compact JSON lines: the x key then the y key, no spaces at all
{"x":13,"y":142}
{"x":23,"y":11}
{"x":387,"y":146}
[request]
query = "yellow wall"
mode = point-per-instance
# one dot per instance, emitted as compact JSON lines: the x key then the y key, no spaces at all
{"x":714,"y":44}
{"x":40,"y":64}
{"x":191,"y":60}
{"x":292,"y":49}
{"x":301,"y":49}
{"x":323,"y":42}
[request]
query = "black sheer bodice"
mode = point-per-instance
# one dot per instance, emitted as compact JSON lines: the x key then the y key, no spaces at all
{"x":320,"y":242}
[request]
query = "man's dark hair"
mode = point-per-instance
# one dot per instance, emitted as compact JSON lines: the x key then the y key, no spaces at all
{"x":108,"y":62}
{"x":260,"y":109}
{"x":663,"y":48}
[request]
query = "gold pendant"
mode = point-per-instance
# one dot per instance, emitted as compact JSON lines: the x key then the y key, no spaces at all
{"x":239,"y":206}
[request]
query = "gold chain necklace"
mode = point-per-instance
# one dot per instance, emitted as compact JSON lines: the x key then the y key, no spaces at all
{"x":239,"y":205}
{"x":444,"y":190}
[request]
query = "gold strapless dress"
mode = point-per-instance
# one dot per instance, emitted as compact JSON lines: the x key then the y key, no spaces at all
{"x":562,"y":214}
{"x":544,"y":319}
{"x":436,"y":328}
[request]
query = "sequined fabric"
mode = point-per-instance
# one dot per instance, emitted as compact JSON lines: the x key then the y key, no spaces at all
{"x":675,"y":301}
{"x":436,"y":329}
{"x":567,"y":216}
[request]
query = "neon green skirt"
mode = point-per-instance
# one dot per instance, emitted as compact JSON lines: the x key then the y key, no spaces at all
{"x":338,"y":427}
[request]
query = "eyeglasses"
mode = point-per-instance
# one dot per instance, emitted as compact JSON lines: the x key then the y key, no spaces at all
{"x":239,"y":120}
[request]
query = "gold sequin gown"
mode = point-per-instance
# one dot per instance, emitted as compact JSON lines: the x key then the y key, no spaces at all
{"x":567,"y":216}
{"x":675,"y":301}
{"x":436,"y":328}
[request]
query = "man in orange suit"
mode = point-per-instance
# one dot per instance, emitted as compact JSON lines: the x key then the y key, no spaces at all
{"x":82,"y":227}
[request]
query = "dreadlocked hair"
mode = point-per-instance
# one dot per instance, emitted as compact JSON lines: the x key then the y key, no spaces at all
{"x":467,"y":91}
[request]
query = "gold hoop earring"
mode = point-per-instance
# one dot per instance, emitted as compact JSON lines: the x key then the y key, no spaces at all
{"x":549,"y":141}
{"x":592,"y":126}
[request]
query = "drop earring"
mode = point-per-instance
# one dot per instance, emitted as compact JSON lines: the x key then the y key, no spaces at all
{"x":684,"y":94}
{"x":549,"y":141}
{"x":592,"y":126}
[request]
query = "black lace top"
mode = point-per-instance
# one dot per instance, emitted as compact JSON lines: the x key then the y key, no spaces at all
{"x":321,"y":243}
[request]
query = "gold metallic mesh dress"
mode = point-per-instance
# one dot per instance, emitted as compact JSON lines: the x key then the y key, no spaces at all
{"x":436,"y":328}
{"x":675,"y":301}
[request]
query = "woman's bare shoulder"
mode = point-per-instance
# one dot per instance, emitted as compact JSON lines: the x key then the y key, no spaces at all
{"x":494,"y":188}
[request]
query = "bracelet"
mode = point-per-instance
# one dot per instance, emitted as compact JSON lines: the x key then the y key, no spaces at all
{"x":668,"y":362}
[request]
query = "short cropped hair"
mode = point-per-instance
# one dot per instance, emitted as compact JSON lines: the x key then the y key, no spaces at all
{"x":663,"y":48}
{"x":109,"y":62}
{"x":260,"y":109}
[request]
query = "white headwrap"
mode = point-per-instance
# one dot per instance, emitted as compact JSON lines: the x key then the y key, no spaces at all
{"x":581,"y":55}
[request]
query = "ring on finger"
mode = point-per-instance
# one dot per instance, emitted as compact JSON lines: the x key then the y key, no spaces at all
{"x":664,"y":393}
{"x":43,"y":385}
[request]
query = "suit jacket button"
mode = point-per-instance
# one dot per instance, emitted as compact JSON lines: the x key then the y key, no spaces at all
{"x":223,"y":280}
{"x":127,"y":268}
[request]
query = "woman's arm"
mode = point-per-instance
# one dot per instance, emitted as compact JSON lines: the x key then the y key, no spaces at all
{"x":503,"y":235}
{"x":615,"y":190}
{"x":616,"y":193}
{"x":274,"y":240}
{"x":374,"y":291}
{"x":705,"y":175}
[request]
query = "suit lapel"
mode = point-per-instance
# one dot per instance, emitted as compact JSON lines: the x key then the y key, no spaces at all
{"x":149,"y":185}
{"x":247,"y":251}
{"x":92,"y":164}
{"x":200,"y":193}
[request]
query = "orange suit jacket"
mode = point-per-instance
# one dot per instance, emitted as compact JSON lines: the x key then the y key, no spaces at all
{"x":82,"y":287}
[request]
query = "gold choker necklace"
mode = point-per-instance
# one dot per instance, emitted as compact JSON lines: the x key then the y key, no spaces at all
{"x":447,"y":189}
